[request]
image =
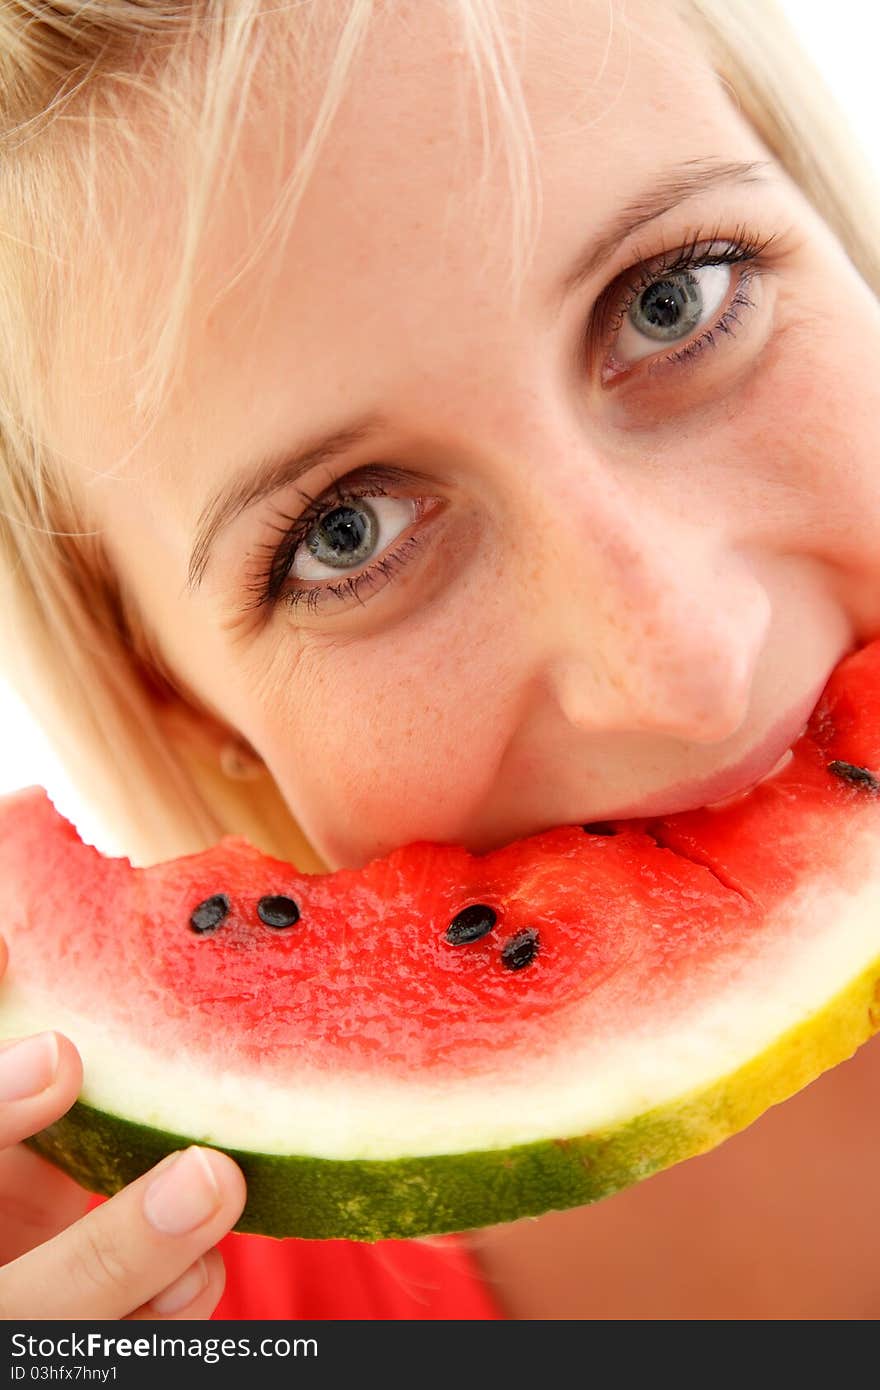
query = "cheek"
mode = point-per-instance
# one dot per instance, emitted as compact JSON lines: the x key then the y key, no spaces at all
{"x":380,"y":742}
{"x":809,"y":431}
{"x":804,"y":439}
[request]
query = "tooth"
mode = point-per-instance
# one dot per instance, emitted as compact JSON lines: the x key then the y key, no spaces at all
{"x":777,"y":767}
{"x":738,"y":796}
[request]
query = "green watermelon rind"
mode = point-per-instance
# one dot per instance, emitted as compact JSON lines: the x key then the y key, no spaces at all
{"x":378,"y":1199}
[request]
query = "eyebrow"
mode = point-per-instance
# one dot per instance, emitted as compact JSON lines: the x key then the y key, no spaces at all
{"x":674,"y":186}
{"x":278,"y":470}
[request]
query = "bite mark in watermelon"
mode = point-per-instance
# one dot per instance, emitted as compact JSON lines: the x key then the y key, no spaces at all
{"x":440,"y":1041}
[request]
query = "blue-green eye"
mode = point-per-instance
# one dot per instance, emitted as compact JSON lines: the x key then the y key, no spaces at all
{"x":671,"y":309}
{"x":350,"y":534}
{"x":356,"y":531}
{"x":680,"y":300}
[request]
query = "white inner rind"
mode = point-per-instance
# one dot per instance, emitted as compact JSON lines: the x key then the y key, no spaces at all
{"x":821,"y":939}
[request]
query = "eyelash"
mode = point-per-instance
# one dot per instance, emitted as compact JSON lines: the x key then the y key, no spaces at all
{"x":742,"y":248}
{"x":279,"y":557}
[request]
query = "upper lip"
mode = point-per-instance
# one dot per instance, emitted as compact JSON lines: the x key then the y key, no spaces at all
{"x":686,"y":796}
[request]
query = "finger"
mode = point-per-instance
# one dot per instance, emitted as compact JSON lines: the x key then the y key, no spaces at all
{"x":125,"y":1252}
{"x":194,"y":1295}
{"x":37,"y":1201}
{"x":40,"y":1078}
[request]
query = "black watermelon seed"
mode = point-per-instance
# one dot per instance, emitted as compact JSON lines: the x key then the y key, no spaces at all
{"x":857,"y":776}
{"x":470,"y":924}
{"x":209,"y":914}
{"x":599,"y":827}
{"x":278,"y":912}
{"x":520,"y":950}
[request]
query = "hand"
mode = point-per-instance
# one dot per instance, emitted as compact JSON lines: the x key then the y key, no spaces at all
{"x":145,"y":1254}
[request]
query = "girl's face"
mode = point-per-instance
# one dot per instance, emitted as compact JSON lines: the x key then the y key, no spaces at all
{"x":560,"y":560}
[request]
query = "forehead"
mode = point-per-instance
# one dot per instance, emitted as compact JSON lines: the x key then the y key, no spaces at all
{"x":392,"y":286}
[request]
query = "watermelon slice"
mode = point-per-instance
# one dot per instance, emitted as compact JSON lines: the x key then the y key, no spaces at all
{"x":440,"y":1041}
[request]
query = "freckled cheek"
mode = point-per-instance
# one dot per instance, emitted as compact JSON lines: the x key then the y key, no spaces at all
{"x":827,"y":437}
{"x":392,"y":740}
{"x":809,"y":433}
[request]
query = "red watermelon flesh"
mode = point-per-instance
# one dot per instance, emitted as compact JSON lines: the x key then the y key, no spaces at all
{"x":337,"y":1019}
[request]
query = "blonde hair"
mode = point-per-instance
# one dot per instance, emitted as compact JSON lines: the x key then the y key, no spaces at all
{"x":89,"y":86}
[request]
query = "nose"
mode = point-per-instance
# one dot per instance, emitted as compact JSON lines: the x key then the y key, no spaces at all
{"x":645,"y":622}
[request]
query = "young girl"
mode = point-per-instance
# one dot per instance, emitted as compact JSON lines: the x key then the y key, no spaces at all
{"x":432,"y":422}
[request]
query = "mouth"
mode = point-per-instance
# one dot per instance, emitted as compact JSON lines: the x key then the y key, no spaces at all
{"x":768,"y":776}
{"x":729,"y":784}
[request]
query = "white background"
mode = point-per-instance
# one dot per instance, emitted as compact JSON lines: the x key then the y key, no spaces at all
{"x":842,"y":36}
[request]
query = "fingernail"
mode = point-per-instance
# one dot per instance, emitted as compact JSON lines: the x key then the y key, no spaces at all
{"x":183,"y":1196}
{"x":28,"y":1067}
{"x":183,"y":1290}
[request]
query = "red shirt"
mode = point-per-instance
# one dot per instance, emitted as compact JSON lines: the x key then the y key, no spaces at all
{"x":427,"y":1281}
{"x":327,"y":1279}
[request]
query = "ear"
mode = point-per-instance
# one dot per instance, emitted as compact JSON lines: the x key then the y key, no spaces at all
{"x":203,"y":732}
{"x":261,"y":815}
{"x":180,"y":713}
